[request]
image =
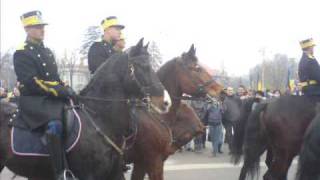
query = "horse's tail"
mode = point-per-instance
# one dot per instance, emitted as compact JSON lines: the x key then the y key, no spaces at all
{"x":254,"y":142}
{"x":239,"y":131}
{"x":309,"y":161}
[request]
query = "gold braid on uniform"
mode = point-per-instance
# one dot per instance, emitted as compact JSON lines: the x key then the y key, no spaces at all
{"x":45,"y":85}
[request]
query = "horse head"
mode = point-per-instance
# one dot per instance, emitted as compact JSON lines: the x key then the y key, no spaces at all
{"x":186,"y":126}
{"x":142,"y":81}
{"x":193,"y":78}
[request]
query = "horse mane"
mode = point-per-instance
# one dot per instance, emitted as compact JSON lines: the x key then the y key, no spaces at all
{"x":103,"y":71}
{"x":166,"y":68}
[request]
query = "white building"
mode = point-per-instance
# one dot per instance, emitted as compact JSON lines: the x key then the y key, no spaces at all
{"x":76,"y":75}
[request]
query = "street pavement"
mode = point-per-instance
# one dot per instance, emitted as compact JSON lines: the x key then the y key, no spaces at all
{"x":195,"y":166}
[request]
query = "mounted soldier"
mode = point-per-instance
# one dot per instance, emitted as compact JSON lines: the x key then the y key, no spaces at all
{"x":309,"y":69}
{"x":100,"y":51}
{"x":43,"y":94}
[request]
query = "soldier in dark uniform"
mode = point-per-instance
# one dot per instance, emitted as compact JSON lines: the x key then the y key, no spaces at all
{"x":99,"y":52}
{"x":43,"y":94}
{"x":309,"y":69}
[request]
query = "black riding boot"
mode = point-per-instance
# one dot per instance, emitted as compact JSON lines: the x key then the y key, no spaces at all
{"x":58,"y":158}
{"x":56,"y":155}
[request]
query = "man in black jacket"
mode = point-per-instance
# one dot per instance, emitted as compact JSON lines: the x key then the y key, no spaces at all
{"x":43,"y":94}
{"x":309,"y":69}
{"x":100,"y":51}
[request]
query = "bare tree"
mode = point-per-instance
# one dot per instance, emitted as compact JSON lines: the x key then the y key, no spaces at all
{"x":67,"y":65}
{"x":156,"y":56}
{"x":7,"y":74}
{"x":92,"y":34}
{"x":277,"y":71}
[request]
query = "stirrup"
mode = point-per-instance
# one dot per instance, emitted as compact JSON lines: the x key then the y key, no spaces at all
{"x":68,"y":175}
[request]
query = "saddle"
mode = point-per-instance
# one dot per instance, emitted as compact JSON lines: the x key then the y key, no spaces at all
{"x":26,"y":142}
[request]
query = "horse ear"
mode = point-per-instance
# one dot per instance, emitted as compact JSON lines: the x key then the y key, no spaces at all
{"x":192,"y":51}
{"x":140,"y":43}
{"x":147,"y":46}
{"x":137,"y":49}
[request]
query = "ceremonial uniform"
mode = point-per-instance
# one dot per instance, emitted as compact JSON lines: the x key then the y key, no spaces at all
{"x":99,"y":52}
{"x":43,"y":94}
{"x":42,"y":91}
{"x":309,"y":71}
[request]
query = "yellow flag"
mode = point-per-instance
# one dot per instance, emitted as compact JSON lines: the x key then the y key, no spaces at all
{"x":259,"y":86}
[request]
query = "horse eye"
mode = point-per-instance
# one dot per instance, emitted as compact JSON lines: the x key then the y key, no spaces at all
{"x":196,"y":68}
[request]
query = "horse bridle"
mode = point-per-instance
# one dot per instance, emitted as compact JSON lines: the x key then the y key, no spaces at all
{"x":144,"y":89}
{"x":201,"y":88}
{"x":144,"y":102}
{"x":146,"y":99}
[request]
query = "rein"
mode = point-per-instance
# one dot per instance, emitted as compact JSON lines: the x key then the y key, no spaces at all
{"x":188,"y":98}
{"x":103,"y":135}
{"x":146,"y":101}
{"x":103,"y":99}
{"x":165,"y":125}
{"x":106,"y":138}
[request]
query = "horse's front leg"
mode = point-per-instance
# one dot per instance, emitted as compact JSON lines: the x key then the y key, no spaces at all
{"x":138,"y":171}
{"x":268,"y":162}
{"x":155,"y":169}
{"x":280,"y":165}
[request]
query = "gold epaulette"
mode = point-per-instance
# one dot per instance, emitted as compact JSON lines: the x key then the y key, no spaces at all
{"x":21,"y":46}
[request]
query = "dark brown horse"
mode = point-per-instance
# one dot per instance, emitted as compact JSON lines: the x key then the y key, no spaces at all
{"x":159,"y":137}
{"x":309,"y":157}
{"x":124,"y":76}
{"x":278,"y":127}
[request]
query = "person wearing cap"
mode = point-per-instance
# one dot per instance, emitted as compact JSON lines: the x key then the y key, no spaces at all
{"x":43,"y":94}
{"x":99,"y":52}
{"x":309,"y":69}
{"x":120,"y":44}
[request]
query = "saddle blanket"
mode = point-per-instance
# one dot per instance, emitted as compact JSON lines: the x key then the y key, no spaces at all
{"x":29,"y":143}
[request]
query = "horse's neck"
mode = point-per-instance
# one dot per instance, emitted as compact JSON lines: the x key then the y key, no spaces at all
{"x":168,"y":77}
{"x":175,"y":94}
{"x":105,"y":113}
{"x":171,"y":84}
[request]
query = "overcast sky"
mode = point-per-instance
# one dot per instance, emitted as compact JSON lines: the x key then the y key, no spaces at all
{"x":229,"y":31}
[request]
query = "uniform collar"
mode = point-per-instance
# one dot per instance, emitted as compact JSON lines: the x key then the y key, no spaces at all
{"x":34,"y":43}
{"x":117,"y":49}
{"x":110,"y":42}
{"x":308,"y":55}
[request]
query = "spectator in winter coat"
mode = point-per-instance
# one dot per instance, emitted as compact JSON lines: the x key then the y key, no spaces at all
{"x":214,"y":118}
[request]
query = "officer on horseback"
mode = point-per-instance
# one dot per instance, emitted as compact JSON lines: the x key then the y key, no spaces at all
{"x":309,"y":69}
{"x":99,"y":52}
{"x":43,"y":94}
